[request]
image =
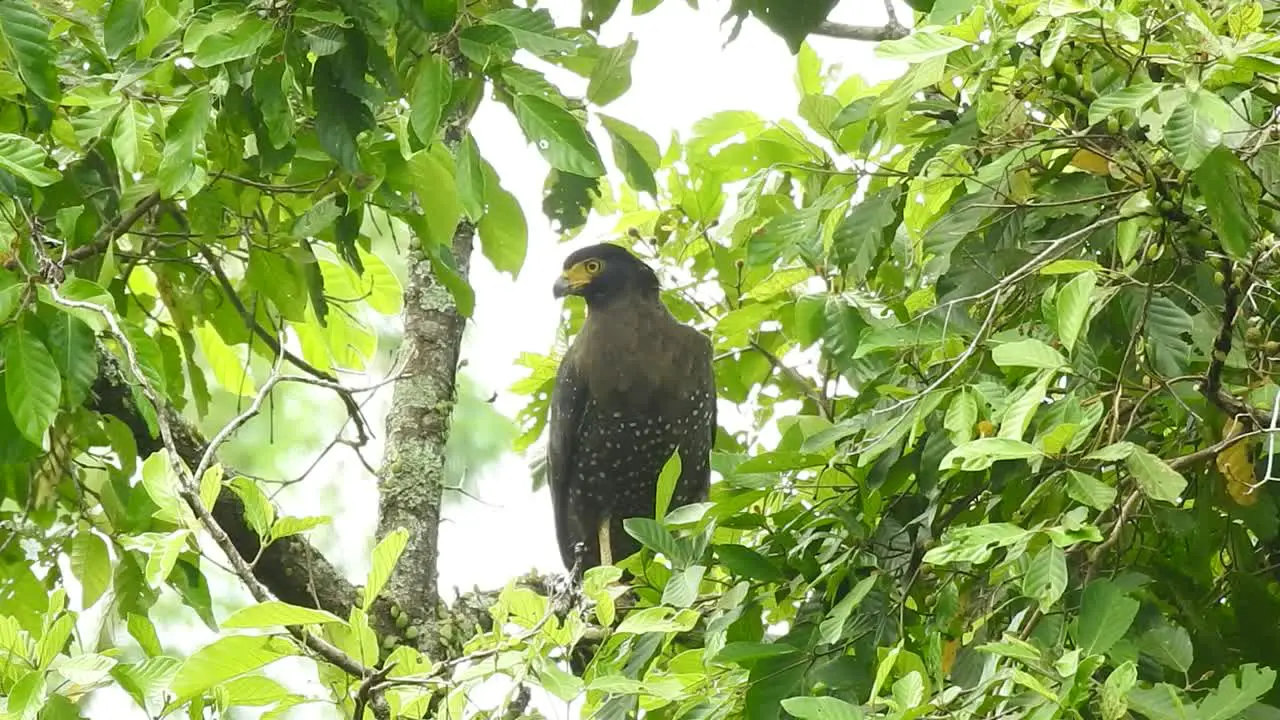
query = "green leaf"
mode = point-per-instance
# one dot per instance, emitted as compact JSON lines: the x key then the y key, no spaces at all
{"x":1237,"y":692}
{"x":184,"y":143}
{"x":534,"y":30}
{"x":1196,"y":127}
{"x":33,"y":387}
{"x":745,"y":562}
{"x":130,"y":139}
{"x":1230,"y":195}
{"x":559,"y":683}
{"x":289,"y":525}
{"x":1105,"y":616}
{"x":1157,"y":480}
{"x":259,"y":513}
{"x":244,"y":39}
{"x":962,"y":415}
{"x":982,"y":453}
{"x":224,"y":659}
{"x":340,"y":115}
{"x":91,"y":564}
{"x":10,"y":298}
{"x":71,"y":345}
{"x":635,"y":153}
{"x":25,"y":31}
{"x":821,"y":708}
{"x":748,"y":652}
{"x":667,"y":480}
{"x":559,"y":136}
{"x":227,"y":363}
{"x":437,"y":191}
{"x":274,"y":612}
{"x":84,"y":669}
{"x":652,"y":535}
{"x":919,"y":46}
{"x":430,"y":94}
{"x":658,"y":619}
{"x":254,"y":691}
{"x":1046,"y":577}
{"x":974,"y":544}
{"x":682,"y":587}
{"x":1133,"y":98}
{"x":611,"y":77}
{"x":271,"y":89}
{"x":123,"y":25}
{"x":147,"y":679}
{"x":504,"y":233}
{"x":1115,"y":688}
{"x":23,"y":158}
{"x":1030,"y":353}
{"x":1018,"y":415}
{"x":144,"y":633}
{"x":319,"y":216}
{"x":1088,"y":490}
{"x":1073,"y":307}
{"x":1170,"y":645}
{"x":831,"y":630}
{"x":385,"y":556}
{"x":471,"y":179}
{"x":1162,"y":701}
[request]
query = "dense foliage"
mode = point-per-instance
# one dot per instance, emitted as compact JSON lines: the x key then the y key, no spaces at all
{"x":1005,"y":331}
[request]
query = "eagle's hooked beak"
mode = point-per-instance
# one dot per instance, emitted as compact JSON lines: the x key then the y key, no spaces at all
{"x":571,"y":281}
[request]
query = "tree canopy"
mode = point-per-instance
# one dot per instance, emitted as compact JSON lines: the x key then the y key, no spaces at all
{"x":1004,"y":331}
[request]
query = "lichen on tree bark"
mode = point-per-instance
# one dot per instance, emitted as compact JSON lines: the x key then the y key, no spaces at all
{"x":411,"y":479}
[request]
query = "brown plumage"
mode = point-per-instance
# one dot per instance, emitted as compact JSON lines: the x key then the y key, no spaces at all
{"x":634,"y":384}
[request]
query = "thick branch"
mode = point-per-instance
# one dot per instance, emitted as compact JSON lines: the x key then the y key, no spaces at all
{"x":412,"y":474}
{"x":412,"y":478}
{"x":863,"y":33}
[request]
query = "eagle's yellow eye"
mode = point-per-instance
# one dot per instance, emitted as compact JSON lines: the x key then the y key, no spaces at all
{"x":593,"y":266}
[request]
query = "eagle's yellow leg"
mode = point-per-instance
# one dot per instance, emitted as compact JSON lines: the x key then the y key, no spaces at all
{"x":606,"y":549}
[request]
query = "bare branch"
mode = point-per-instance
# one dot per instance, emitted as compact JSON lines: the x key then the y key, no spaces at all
{"x":863,"y":33}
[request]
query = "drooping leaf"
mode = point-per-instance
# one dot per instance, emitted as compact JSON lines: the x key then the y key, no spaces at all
{"x":559,"y":136}
{"x":1230,"y":191}
{"x":33,"y":387}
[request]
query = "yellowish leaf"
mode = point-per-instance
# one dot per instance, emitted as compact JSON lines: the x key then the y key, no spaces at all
{"x":1091,"y":162}
{"x":1235,"y":466}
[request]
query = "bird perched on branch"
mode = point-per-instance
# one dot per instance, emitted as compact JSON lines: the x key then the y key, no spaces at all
{"x":633,"y":386}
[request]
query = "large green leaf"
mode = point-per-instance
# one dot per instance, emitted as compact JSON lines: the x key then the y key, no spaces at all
{"x":123,"y":25}
{"x":25,"y":31}
{"x":22,"y":157}
{"x":184,"y":142}
{"x":611,"y":77}
{"x":33,"y":386}
{"x":503,"y":230}
{"x":1106,"y":613}
{"x":224,"y":659}
{"x":534,"y":30}
{"x":385,"y":556}
{"x":559,"y":136}
{"x":919,"y":46}
{"x":635,"y":153}
{"x":1196,"y":127}
{"x":1230,"y":196}
{"x":430,"y":94}
{"x":275,"y":613}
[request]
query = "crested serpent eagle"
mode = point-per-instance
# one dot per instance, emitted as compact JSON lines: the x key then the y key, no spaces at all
{"x":634,"y":385}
